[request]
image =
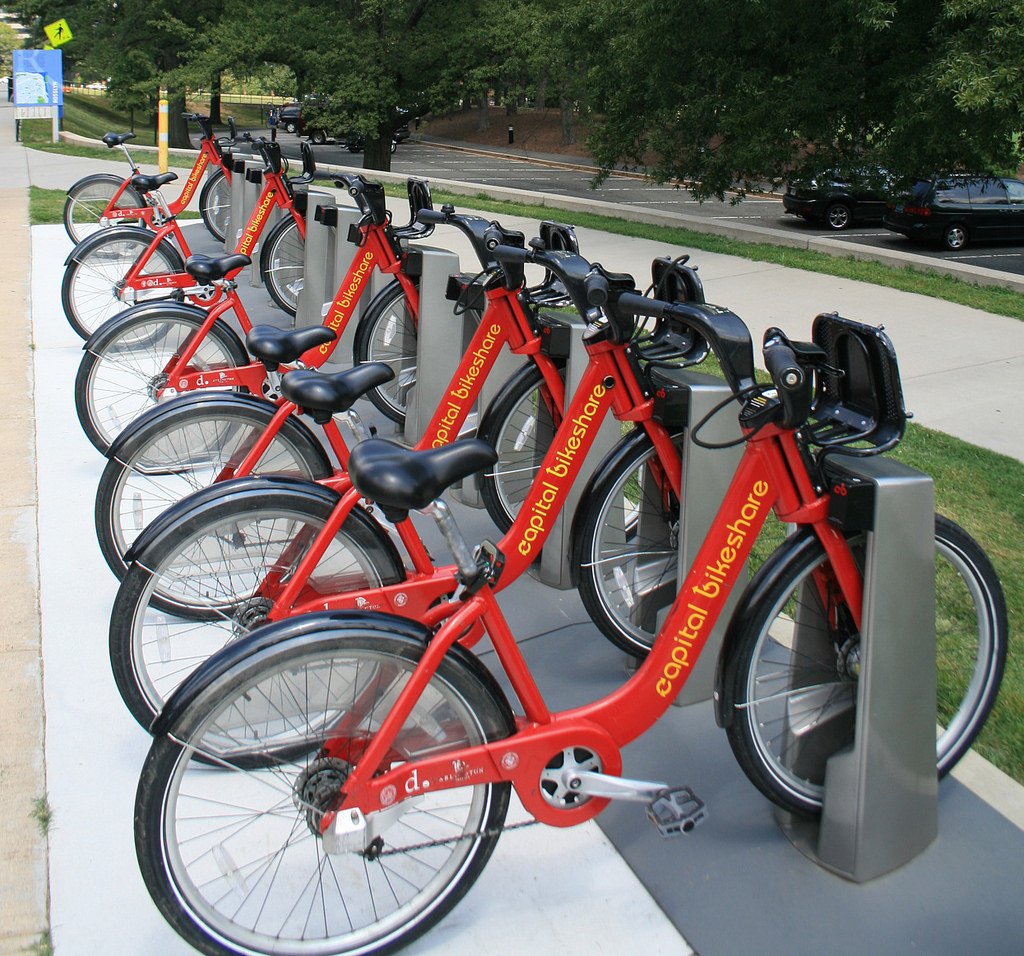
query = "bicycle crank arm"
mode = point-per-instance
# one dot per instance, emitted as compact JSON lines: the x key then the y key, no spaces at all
{"x":589,"y":783}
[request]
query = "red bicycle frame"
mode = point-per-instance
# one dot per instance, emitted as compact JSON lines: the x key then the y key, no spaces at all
{"x":208,"y":153}
{"x":377,"y":251}
{"x":274,"y":193}
{"x":771,"y":476}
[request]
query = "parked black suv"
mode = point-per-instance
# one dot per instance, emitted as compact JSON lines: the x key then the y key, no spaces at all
{"x":837,"y":200}
{"x":958,"y":209}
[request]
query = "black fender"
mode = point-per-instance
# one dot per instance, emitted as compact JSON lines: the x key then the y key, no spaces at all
{"x":138,"y":431}
{"x":98,"y":238}
{"x":511,"y":384}
{"x":624,"y":448}
{"x":263,"y":642}
{"x":751,"y":601}
{"x":100,"y":178}
{"x":246,"y":486}
{"x":115,"y":325}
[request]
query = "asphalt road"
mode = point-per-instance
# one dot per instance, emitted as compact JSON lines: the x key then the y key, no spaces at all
{"x":418,"y":159}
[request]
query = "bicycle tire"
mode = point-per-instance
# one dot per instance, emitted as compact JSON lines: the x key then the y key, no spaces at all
{"x":283,"y":264}
{"x":387,"y":333}
{"x":519,"y":425}
{"x":89,"y":292}
{"x":201,"y":583}
{"x":764,"y":681}
{"x":87,"y":199}
{"x":215,"y":205}
{"x":625,"y":544}
{"x":268,"y":777}
{"x":187,"y":444}
{"x":123,"y":365}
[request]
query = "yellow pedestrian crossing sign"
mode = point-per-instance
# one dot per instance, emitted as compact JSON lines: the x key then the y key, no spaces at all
{"x":58,"y":32}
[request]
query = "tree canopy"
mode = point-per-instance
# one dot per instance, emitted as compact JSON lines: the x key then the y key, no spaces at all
{"x":716,"y":94}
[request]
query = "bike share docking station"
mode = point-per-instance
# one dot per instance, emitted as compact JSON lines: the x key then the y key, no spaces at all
{"x":880,"y":805}
{"x":881,"y":792}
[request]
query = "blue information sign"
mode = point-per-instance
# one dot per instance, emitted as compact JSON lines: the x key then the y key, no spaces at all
{"x":39,"y":78}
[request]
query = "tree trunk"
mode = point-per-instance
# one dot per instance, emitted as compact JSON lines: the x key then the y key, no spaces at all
{"x":542,"y":91}
{"x":483,"y":115}
{"x":568,"y":124}
{"x":177,"y":126}
{"x":215,"y":97}
{"x":377,"y":154}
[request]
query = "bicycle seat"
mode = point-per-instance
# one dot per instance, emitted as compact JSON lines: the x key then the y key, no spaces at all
{"x":402,"y":479}
{"x":110,"y":140}
{"x":323,"y":395}
{"x":204,"y":269}
{"x":145,"y":184}
{"x":274,"y":346}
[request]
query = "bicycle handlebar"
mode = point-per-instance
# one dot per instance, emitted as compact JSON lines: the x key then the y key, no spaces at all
{"x":793,"y":384}
{"x":725,"y":332}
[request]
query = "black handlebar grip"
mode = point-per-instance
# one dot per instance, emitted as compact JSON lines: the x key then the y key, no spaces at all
{"x":510,"y":254}
{"x":492,"y":238}
{"x":596,"y":287}
{"x":640,"y":304}
{"x":430,"y":215}
{"x":780,"y":360}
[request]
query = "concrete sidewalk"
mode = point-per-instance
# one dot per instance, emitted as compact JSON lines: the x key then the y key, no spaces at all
{"x":961,"y":373}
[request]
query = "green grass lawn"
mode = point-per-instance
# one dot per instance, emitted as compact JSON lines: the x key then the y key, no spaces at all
{"x":981,"y":490}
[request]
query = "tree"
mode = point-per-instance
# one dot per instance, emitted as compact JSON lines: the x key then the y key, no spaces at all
{"x":9,"y":42}
{"x":136,"y":44}
{"x":744,"y":93}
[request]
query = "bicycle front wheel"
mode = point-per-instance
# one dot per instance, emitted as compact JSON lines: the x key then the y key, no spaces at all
{"x":215,"y":205}
{"x":214,"y":575}
{"x":777,"y":690}
{"x":229,"y":803}
{"x":519,"y":425}
{"x":387,"y":333}
{"x":88,"y":199}
{"x":190,"y":446}
{"x":626,"y":544}
{"x":92,"y":288}
{"x":122,"y":375}
{"x":283,"y":264}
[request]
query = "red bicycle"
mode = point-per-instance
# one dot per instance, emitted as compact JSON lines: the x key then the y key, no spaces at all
{"x":197,"y":440}
{"x":104,"y":199}
{"x":237,"y":554}
{"x":127,"y":265}
{"x":152,"y":351}
{"x":337,"y":780}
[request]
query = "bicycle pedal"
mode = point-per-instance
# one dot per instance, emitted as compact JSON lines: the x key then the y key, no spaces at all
{"x":676,"y":811}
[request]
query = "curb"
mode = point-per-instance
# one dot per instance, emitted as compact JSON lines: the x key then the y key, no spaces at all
{"x":752,"y":234}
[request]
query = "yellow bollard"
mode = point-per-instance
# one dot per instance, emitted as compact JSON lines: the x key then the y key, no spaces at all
{"x":161,"y":132}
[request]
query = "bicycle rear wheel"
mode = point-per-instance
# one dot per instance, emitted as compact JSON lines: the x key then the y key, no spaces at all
{"x":122,"y":372}
{"x":283,"y":264}
{"x":194,"y":442}
{"x":92,"y":287}
{"x":788,"y":709}
{"x":89,"y":197}
{"x":214,"y":574}
{"x":232,"y":853}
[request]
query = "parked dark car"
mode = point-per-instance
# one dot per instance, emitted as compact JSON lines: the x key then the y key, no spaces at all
{"x":355,"y":141}
{"x":837,"y":200}
{"x":300,"y":118}
{"x":959,"y":209}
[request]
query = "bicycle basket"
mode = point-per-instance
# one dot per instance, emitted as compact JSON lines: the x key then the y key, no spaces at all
{"x":858,"y":397}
